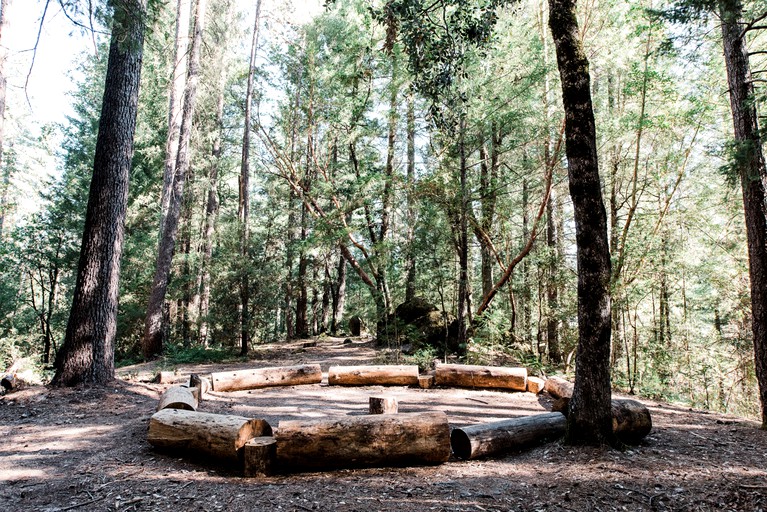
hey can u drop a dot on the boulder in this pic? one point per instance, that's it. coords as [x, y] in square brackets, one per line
[418, 324]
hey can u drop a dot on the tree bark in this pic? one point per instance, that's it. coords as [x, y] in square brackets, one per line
[589, 421]
[751, 169]
[410, 264]
[87, 354]
[243, 209]
[153, 331]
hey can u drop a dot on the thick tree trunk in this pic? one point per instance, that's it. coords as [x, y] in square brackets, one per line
[339, 296]
[402, 375]
[505, 436]
[358, 441]
[153, 331]
[751, 168]
[471, 376]
[87, 354]
[589, 421]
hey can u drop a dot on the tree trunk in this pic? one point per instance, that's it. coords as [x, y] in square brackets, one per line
[87, 354]
[339, 295]
[410, 264]
[243, 209]
[5, 21]
[589, 421]
[175, 103]
[153, 331]
[751, 168]
[463, 241]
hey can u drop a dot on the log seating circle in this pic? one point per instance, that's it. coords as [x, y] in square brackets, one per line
[373, 440]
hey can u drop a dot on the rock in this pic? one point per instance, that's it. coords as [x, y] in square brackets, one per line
[348, 341]
[414, 309]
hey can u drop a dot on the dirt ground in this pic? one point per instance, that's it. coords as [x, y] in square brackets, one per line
[85, 449]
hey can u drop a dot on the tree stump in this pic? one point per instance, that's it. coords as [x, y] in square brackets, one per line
[535, 385]
[426, 381]
[383, 405]
[258, 456]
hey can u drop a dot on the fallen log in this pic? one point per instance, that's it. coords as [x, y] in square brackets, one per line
[179, 397]
[505, 436]
[396, 375]
[258, 456]
[167, 377]
[382, 405]
[267, 377]
[631, 419]
[199, 433]
[471, 376]
[360, 441]
[558, 387]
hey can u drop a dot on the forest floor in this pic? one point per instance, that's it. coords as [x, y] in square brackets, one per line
[86, 449]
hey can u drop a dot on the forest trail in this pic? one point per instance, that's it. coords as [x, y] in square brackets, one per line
[86, 449]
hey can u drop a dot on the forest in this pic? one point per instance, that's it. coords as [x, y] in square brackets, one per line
[532, 174]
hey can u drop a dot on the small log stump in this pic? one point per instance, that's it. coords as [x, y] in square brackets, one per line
[535, 385]
[426, 381]
[383, 405]
[258, 456]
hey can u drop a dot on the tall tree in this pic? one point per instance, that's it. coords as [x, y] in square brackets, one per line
[590, 418]
[87, 354]
[5, 20]
[153, 326]
[750, 166]
[243, 209]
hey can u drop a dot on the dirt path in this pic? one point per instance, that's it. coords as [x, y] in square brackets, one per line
[85, 449]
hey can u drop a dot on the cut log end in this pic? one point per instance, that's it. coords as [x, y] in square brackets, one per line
[383, 405]
[258, 457]
[426, 381]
